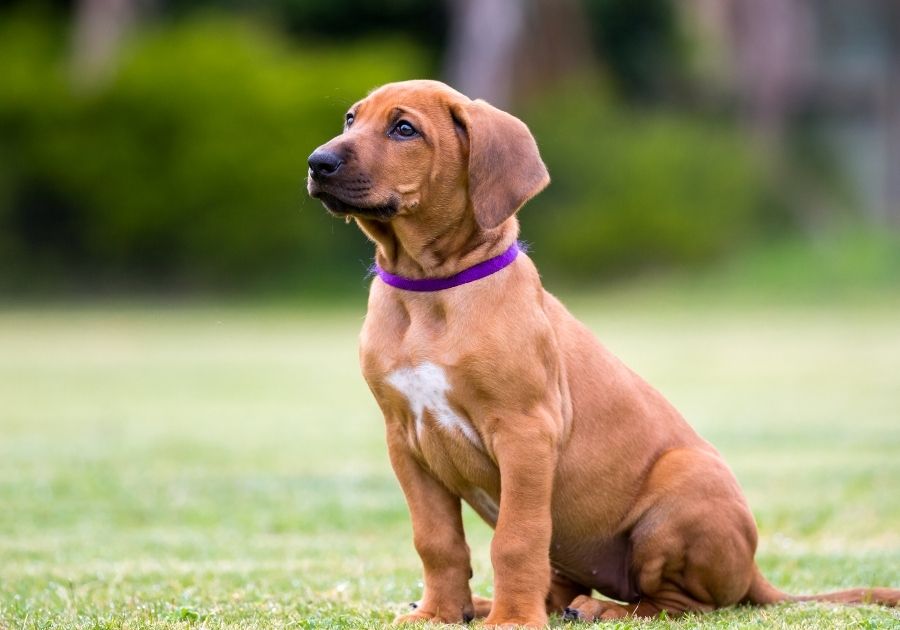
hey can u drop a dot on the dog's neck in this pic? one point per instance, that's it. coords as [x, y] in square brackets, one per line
[405, 247]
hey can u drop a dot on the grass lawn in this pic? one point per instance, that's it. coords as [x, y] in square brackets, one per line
[212, 467]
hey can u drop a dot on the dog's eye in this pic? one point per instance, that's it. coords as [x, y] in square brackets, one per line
[404, 130]
[349, 119]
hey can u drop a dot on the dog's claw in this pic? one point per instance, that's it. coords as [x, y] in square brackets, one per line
[571, 614]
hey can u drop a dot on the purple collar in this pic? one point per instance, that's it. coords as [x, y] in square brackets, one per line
[473, 273]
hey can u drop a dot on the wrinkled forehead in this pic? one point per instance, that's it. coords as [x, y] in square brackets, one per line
[425, 97]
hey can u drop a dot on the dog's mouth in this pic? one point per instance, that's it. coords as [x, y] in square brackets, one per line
[340, 208]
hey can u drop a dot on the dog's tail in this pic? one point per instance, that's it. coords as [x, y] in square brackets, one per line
[762, 593]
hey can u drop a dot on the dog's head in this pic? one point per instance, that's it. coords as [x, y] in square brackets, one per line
[420, 149]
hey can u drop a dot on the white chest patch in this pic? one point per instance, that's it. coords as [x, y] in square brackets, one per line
[425, 387]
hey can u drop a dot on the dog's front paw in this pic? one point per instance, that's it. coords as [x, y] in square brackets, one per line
[498, 622]
[416, 616]
[420, 615]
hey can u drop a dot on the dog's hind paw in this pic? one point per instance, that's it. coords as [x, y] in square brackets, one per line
[586, 608]
[570, 614]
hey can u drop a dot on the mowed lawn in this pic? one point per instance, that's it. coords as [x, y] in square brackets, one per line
[212, 467]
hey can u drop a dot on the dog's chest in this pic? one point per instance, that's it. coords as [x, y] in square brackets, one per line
[443, 436]
[426, 387]
[414, 360]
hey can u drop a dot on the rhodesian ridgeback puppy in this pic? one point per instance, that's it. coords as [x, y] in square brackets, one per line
[494, 394]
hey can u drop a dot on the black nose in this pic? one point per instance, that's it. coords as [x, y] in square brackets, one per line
[324, 163]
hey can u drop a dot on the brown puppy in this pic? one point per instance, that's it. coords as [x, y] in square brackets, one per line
[493, 384]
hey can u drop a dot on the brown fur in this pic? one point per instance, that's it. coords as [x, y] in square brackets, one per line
[604, 485]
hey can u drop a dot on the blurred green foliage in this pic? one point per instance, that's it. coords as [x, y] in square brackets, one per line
[421, 21]
[640, 45]
[634, 188]
[187, 168]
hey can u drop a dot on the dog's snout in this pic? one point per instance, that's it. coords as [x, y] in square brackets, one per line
[324, 163]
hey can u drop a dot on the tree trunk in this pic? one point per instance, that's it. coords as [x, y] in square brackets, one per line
[892, 114]
[501, 50]
[99, 28]
[773, 50]
[484, 37]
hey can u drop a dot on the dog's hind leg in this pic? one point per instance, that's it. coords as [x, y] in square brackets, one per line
[674, 604]
[587, 608]
[692, 541]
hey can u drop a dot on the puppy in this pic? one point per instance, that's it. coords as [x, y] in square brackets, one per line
[492, 393]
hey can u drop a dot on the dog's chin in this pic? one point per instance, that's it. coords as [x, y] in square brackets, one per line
[340, 208]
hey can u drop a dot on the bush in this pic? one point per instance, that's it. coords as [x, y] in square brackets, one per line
[188, 166]
[635, 189]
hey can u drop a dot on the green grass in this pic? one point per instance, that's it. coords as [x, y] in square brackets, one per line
[211, 467]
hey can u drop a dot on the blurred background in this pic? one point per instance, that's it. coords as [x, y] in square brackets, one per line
[159, 146]
[185, 438]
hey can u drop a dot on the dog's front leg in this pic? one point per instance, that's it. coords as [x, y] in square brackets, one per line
[525, 449]
[438, 537]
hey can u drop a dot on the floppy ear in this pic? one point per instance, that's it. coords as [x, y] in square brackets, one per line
[505, 168]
